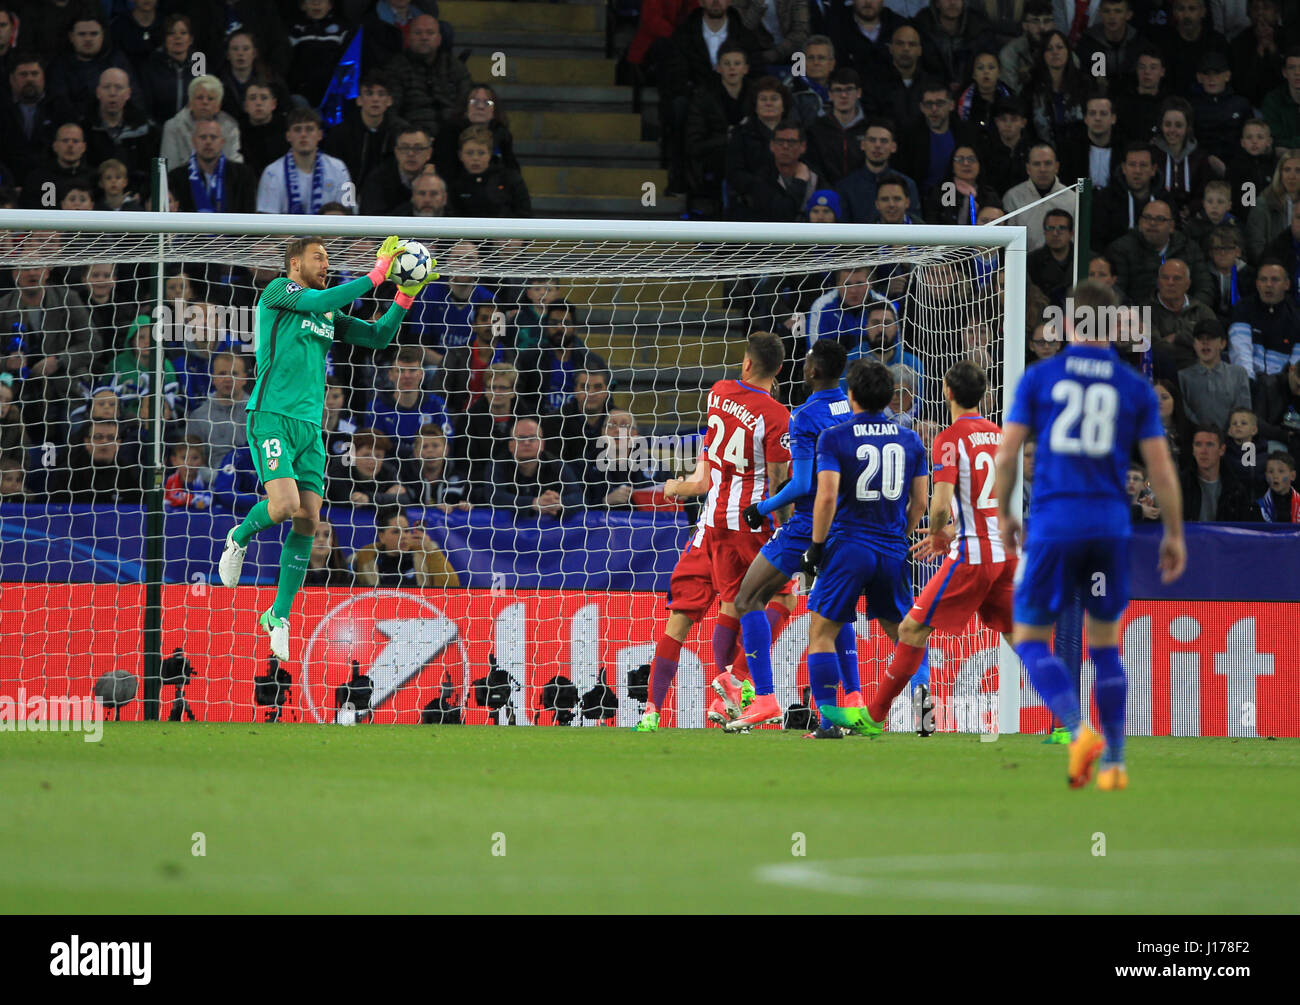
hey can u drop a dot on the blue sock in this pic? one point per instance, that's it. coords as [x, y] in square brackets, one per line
[922, 675]
[756, 637]
[1052, 681]
[846, 649]
[1111, 691]
[824, 678]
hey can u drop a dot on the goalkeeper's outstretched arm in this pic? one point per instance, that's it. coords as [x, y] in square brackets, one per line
[371, 334]
[297, 298]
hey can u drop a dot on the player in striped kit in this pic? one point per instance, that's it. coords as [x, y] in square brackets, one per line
[978, 571]
[748, 449]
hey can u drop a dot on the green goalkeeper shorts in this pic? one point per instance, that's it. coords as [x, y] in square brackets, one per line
[287, 448]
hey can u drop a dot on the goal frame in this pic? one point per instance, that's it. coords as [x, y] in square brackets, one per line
[1012, 240]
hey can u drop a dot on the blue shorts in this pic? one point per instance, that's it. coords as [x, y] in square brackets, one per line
[851, 570]
[1051, 571]
[786, 548]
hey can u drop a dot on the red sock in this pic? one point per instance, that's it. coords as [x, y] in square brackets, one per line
[906, 661]
[777, 615]
[663, 669]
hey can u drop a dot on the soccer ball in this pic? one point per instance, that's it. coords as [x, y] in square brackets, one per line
[411, 266]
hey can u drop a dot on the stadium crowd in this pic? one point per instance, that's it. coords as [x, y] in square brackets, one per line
[903, 112]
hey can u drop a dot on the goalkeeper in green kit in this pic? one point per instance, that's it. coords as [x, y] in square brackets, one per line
[297, 322]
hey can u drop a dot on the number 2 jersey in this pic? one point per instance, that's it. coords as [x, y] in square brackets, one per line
[964, 456]
[748, 429]
[1085, 410]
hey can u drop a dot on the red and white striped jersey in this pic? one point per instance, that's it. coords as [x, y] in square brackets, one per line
[747, 430]
[964, 456]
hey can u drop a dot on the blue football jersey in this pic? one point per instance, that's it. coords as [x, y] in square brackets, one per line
[822, 410]
[877, 460]
[1085, 410]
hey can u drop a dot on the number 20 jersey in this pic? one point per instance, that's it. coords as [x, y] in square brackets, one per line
[1086, 410]
[748, 429]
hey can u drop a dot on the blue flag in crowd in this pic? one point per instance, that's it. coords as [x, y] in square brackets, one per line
[344, 83]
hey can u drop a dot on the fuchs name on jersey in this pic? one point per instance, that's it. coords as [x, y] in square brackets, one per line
[1083, 366]
[729, 406]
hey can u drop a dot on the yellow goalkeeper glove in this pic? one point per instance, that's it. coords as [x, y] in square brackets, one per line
[413, 289]
[384, 257]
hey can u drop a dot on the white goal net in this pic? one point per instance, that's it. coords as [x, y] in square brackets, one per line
[495, 541]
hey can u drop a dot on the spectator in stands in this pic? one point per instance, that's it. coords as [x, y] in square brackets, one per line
[51, 346]
[975, 103]
[75, 75]
[714, 110]
[1255, 54]
[547, 374]
[1264, 335]
[31, 113]
[1092, 152]
[1118, 207]
[215, 22]
[811, 92]
[385, 27]
[1056, 91]
[117, 129]
[138, 31]
[368, 133]
[575, 429]
[1042, 344]
[953, 33]
[483, 189]
[185, 486]
[236, 487]
[327, 565]
[840, 313]
[113, 182]
[1138, 254]
[1004, 148]
[899, 97]
[882, 339]
[825, 207]
[402, 555]
[1138, 104]
[749, 147]
[204, 105]
[1016, 59]
[1175, 318]
[316, 41]
[1210, 492]
[1211, 387]
[618, 465]
[461, 378]
[389, 184]
[263, 128]
[401, 407]
[892, 201]
[430, 84]
[1281, 107]
[1233, 278]
[12, 479]
[166, 74]
[337, 422]
[1181, 166]
[367, 478]
[441, 317]
[1272, 216]
[1218, 112]
[1250, 169]
[1277, 403]
[531, 482]
[434, 477]
[1177, 429]
[109, 315]
[782, 191]
[100, 469]
[1190, 38]
[304, 179]
[962, 193]
[781, 28]
[482, 108]
[1215, 210]
[101, 404]
[485, 428]
[78, 195]
[659, 19]
[12, 433]
[1102, 270]
[209, 181]
[221, 420]
[931, 138]
[1280, 504]
[1042, 181]
[1050, 268]
[857, 190]
[243, 66]
[1246, 450]
[835, 139]
[428, 196]
[45, 185]
[1114, 37]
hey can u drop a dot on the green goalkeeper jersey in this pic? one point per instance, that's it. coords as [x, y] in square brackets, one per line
[295, 329]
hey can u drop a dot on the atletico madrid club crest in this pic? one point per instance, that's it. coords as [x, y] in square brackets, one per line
[273, 463]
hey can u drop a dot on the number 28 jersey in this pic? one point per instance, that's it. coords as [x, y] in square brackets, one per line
[748, 429]
[1085, 410]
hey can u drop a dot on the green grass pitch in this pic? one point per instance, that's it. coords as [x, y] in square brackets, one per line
[299, 818]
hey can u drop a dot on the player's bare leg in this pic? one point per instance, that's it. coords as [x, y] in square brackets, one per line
[1051, 680]
[664, 667]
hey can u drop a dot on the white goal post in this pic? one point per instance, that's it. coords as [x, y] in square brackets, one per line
[665, 303]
